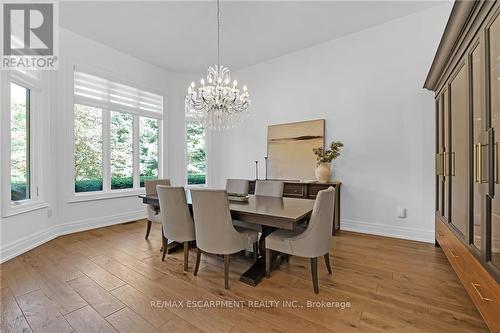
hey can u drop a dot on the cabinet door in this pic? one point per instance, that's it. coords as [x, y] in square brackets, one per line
[458, 156]
[494, 100]
[479, 144]
[446, 152]
[439, 157]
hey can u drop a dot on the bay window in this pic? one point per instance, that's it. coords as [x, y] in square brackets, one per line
[116, 135]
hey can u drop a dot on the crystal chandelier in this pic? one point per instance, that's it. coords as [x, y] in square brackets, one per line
[217, 103]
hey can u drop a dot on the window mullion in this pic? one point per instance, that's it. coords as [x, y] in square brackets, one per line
[106, 151]
[135, 152]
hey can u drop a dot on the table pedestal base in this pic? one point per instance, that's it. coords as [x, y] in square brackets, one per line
[257, 271]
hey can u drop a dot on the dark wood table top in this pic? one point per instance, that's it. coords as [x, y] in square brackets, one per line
[283, 213]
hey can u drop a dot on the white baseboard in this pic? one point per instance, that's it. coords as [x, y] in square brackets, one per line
[20, 246]
[420, 235]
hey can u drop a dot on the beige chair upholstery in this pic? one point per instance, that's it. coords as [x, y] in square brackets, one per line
[239, 186]
[176, 220]
[312, 242]
[214, 229]
[270, 188]
[153, 212]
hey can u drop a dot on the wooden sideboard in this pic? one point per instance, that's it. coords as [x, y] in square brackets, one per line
[465, 76]
[309, 190]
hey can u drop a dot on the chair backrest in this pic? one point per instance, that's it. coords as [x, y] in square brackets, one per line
[270, 188]
[239, 186]
[175, 216]
[150, 185]
[315, 241]
[213, 224]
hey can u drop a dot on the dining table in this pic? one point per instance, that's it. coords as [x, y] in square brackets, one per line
[271, 213]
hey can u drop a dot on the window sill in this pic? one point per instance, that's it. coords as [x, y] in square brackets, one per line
[195, 186]
[16, 209]
[115, 194]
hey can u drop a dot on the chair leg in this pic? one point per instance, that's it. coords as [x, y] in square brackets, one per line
[314, 273]
[226, 271]
[198, 257]
[255, 250]
[164, 243]
[186, 255]
[327, 262]
[269, 254]
[148, 229]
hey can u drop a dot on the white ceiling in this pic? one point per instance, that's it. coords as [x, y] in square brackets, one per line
[181, 35]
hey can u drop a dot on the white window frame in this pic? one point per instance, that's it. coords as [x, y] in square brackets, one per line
[106, 108]
[192, 119]
[33, 82]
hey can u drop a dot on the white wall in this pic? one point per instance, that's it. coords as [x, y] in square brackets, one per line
[21, 232]
[368, 87]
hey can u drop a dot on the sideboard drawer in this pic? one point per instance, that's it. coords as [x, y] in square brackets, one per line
[315, 188]
[294, 190]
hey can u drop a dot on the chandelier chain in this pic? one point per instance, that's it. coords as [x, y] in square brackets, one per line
[218, 33]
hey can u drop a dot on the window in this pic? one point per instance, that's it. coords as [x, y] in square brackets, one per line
[195, 153]
[117, 135]
[122, 168]
[88, 148]
[23, 104]
[20, 185]
[148, 149]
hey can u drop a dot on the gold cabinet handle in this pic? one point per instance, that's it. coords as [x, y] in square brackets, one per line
[495, 158]
[475, 286]
[445, 165]
[454, 254]
[440, 233]
[478, 150]
[437, 165]
[477, 163]
[452, 158]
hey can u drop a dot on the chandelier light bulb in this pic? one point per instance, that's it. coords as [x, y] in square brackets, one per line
[202, 82]
[192, 84]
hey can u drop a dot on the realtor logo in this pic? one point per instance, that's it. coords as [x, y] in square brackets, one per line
[29, 36]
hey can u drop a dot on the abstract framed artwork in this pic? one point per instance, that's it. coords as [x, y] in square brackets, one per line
[290, 149]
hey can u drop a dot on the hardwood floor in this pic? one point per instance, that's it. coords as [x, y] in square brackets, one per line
[104, 280]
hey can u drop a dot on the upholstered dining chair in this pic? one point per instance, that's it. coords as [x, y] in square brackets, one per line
[239, 186]
[153, 212]
[312, 242]
[270, 188]
[176, 221]
[214, 228]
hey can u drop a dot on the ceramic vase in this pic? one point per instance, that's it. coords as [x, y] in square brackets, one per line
[323, 172]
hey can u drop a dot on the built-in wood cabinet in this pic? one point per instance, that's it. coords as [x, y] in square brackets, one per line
[465, 75]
